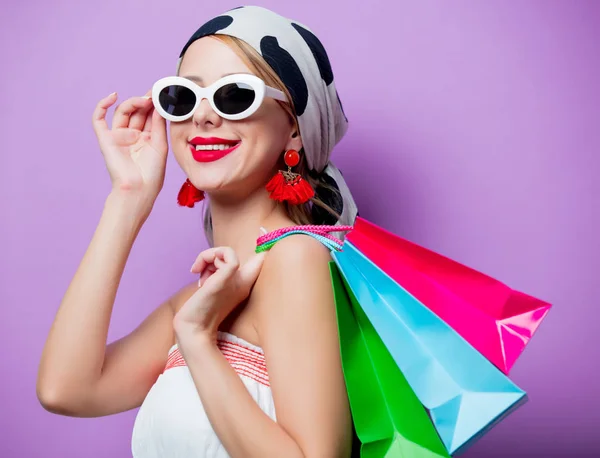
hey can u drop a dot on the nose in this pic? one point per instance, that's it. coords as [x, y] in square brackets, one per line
[205, 115]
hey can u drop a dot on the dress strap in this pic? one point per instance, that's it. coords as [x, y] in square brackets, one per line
[318, 232]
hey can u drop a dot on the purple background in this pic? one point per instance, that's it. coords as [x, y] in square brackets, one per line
[474, 131]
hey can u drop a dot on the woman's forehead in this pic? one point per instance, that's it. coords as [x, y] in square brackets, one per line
[209, 59]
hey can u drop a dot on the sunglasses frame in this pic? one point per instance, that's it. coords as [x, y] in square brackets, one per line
[260, 90]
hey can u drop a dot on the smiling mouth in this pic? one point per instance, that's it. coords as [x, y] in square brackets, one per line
[212, 152]
[216, 147]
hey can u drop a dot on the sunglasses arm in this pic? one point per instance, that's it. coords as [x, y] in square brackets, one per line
[275, 94]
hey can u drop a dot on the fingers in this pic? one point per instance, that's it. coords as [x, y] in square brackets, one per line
[99, 116]
[127, 110]
[229, 257]
[221, 265]
[202, 261]
[249, 272]
[126, 136]
[218, 256]
[148, 121]
[220, 262]
[159, 131]
[206, 274]
[139, 119]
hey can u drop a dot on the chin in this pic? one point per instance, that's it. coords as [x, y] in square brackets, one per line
[208, 180]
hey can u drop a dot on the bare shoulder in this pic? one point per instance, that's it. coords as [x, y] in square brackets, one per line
[294, 260]
[295, 266]
[297, 252]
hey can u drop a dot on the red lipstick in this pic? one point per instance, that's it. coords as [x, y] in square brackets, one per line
[209, 155]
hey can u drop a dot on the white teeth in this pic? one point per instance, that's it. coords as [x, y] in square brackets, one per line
[212, 147]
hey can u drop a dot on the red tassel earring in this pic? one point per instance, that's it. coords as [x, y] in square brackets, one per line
[189, 195]
[290, 186]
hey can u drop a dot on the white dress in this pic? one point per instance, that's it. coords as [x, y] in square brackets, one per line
[172, 423]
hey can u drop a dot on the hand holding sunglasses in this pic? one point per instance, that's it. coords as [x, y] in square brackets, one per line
[134, 148]
[233, 97]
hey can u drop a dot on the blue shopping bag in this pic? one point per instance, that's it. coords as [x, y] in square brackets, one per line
[463, 392]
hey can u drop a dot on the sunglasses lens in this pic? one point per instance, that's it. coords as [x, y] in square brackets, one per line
[177, 100]
[234, 98]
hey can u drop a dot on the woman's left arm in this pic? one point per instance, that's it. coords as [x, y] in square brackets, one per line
[297, 326]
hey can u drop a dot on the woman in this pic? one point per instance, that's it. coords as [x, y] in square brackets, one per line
[245, 362]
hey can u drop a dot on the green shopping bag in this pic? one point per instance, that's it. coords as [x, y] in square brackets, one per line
[388, 418]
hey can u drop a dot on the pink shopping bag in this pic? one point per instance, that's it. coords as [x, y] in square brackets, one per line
[495, 319]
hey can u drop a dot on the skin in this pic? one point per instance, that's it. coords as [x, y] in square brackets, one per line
[256, 297]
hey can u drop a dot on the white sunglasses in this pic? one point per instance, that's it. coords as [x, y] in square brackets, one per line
[232, 97]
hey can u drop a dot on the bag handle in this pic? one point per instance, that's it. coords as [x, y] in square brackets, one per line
[320, 233]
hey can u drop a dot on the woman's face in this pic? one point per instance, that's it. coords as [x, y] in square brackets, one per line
[263, 137]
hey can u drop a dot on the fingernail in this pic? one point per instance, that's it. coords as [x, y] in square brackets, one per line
[147, 97]
[263, 230]
[111, 94]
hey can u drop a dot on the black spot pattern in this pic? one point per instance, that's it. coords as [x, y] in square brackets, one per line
[332, 198]
[318, 52]
[209, 28]
[287, 69]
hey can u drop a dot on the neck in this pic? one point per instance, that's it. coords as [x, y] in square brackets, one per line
[236, 222]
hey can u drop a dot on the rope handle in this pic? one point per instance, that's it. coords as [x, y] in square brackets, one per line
[318, 232]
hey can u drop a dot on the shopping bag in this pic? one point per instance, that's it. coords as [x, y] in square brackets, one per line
[493, 318]
[388, 418]
[463, 392]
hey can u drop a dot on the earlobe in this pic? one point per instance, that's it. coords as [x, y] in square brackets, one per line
[295, 142]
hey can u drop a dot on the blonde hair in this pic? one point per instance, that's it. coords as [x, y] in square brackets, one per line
[300, 214]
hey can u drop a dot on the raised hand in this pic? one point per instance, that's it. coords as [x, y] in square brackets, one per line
[135, 148]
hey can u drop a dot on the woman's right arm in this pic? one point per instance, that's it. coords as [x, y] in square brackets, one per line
[79, 375]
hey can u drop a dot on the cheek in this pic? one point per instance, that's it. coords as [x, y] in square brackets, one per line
[178, 141]
[176, 130]
[269, 130]
[266, 142]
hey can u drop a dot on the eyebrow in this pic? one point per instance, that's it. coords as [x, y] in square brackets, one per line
[199, 80]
